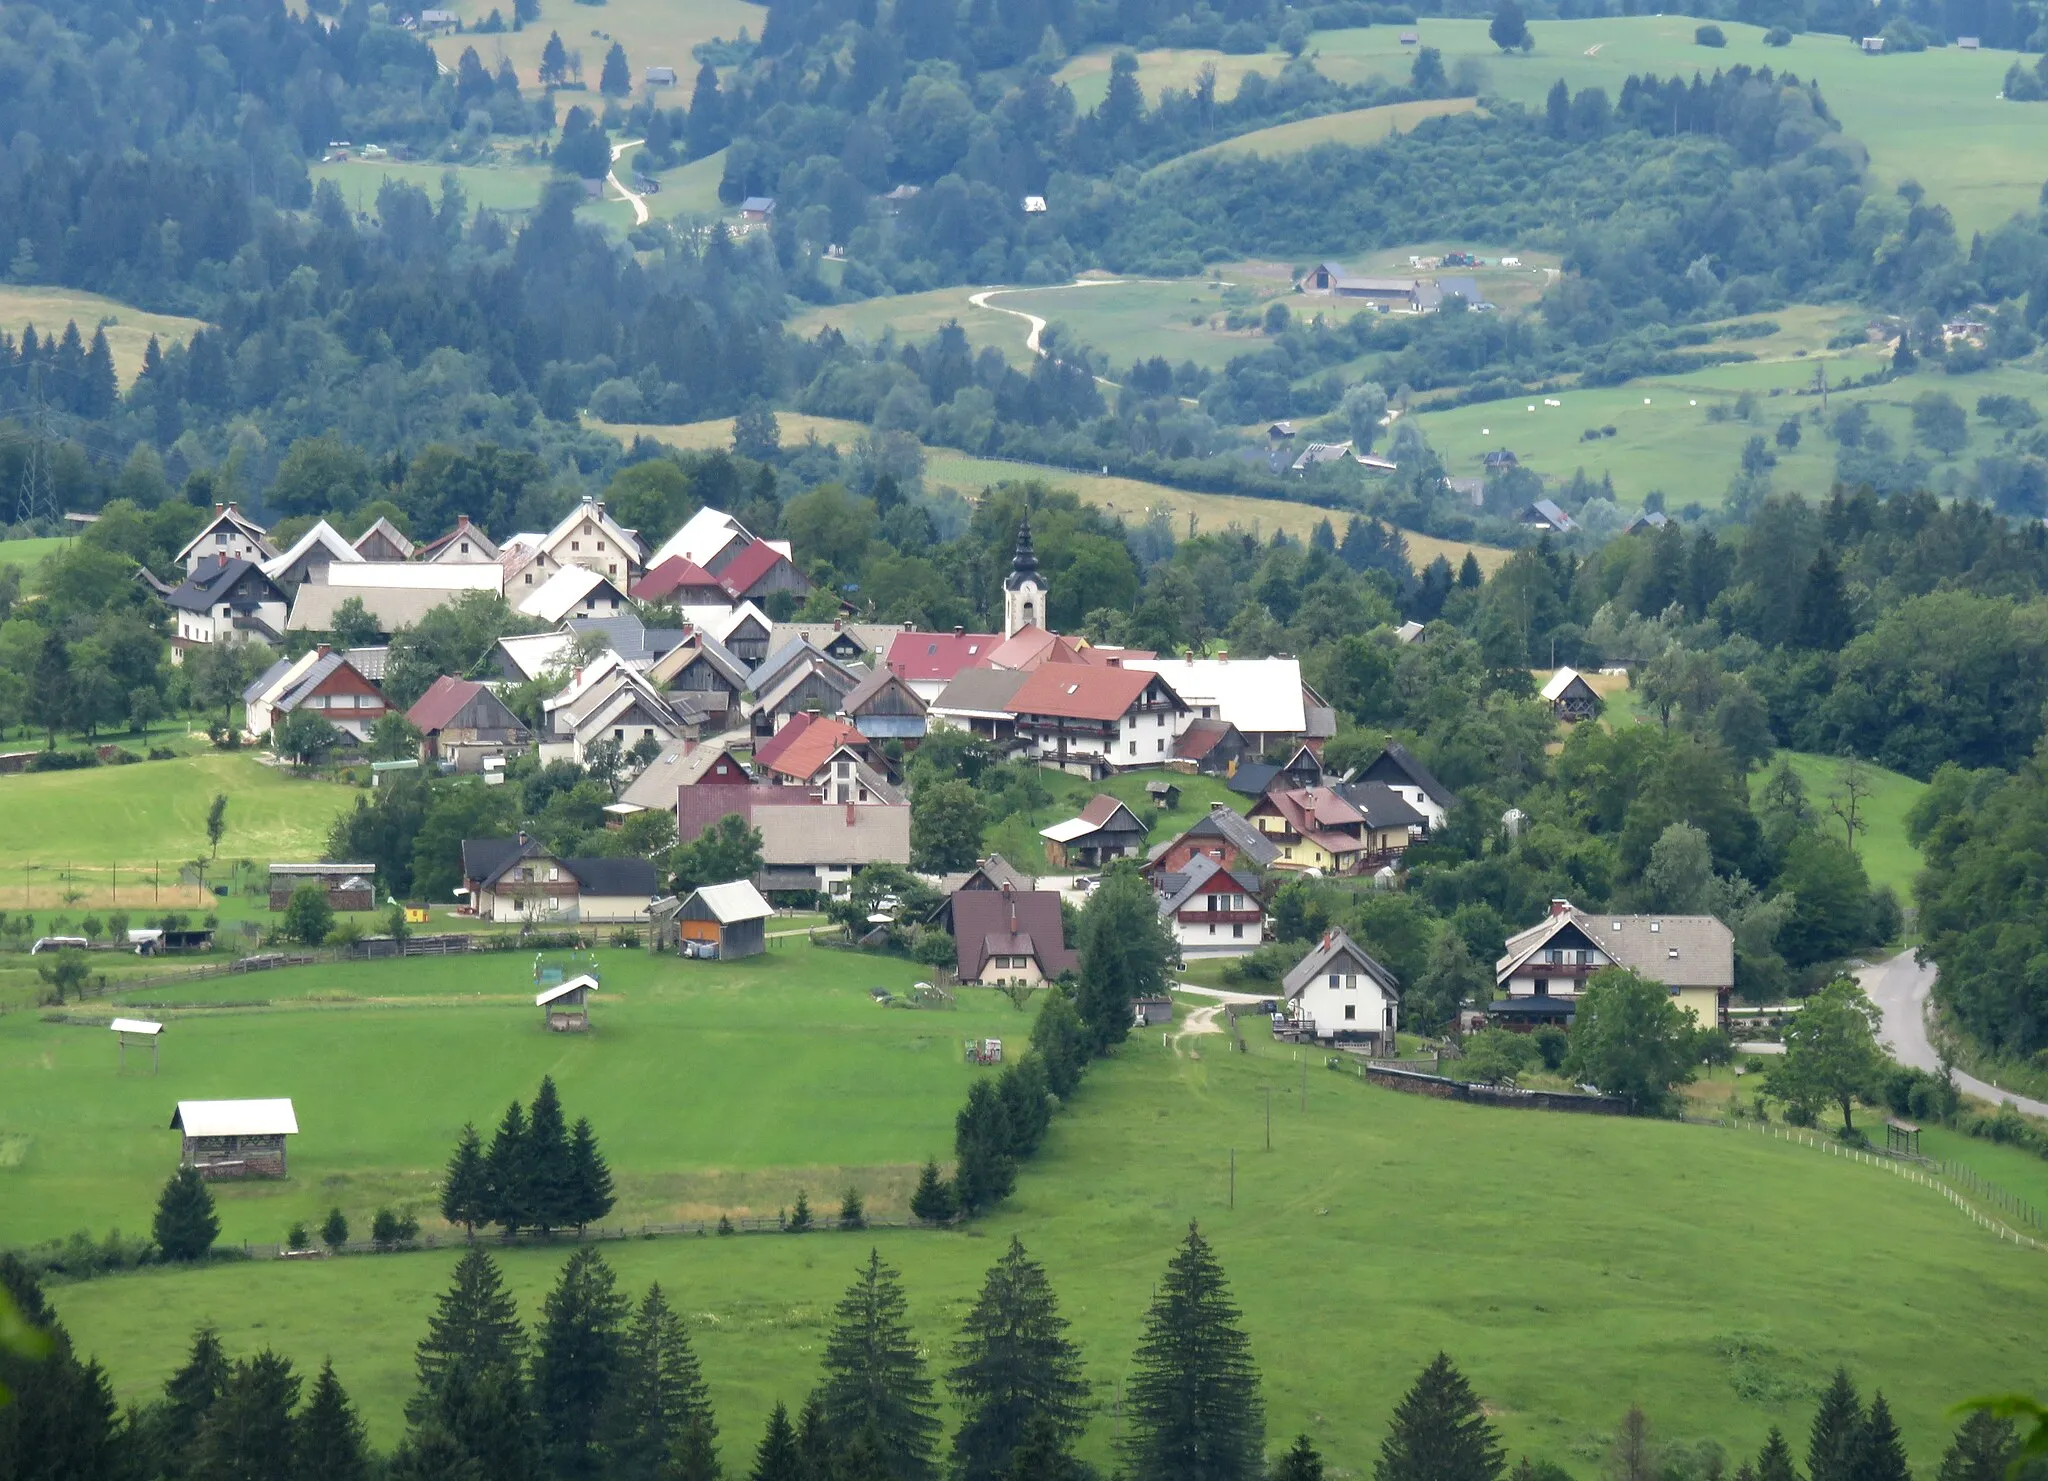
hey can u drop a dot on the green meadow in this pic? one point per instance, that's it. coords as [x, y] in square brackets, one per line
[128, 328]
[1888, 855]
[1571, 1264]
[1357, 128]
[1016, 838]
[28, 554]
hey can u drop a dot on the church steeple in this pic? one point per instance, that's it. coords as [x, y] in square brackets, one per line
[1023, 588]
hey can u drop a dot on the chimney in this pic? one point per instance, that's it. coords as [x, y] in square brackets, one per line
[837, 624]
[1560, 907]
[849, 814]
[959, 632]
[1223, 655]
[600, 506]
[1326, 941]
[324, 651]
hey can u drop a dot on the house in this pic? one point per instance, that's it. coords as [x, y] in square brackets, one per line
[1093, 720]
[1338, 993]
[225, 601]
[1544, 514]
[757, 209]
[1210, 748]
[1397, 769]
[807, 846]
[574, 591]
[310, 556]
[1103, 830]
[661, 77]
[1316, 828]
[321, 682]
[991, 873]
[1461, 287]
[1571, 696]
[978, 700]
[1545, 969]
[928, 662]
[585, 536]
[1264, 698]
[608, 700]
[1649, 519]
[461, 722]
[759, 571]
[1391, 824]
[683, 583]
[793, 755]
[229, 536]
[567, 1004]
[801, 681]
[465, 545]
[684, 764]
[1335, 279]
[395, 593]
[1500, 459]
[1409, 632]
[348, 886]
[1009, 936]
[384, 541]
[1034, 205]
[626, 634]
[708, 538]
[725, 921]
[1223, 838]
[706, 672]
[857, 646]
[885, 707]
[744, 630]
[522, 657]
[234, 1138]
[1211, 910]
[1318, 453]
[1256, 778]
[518, 880]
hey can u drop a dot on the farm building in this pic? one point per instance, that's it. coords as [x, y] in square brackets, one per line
[384, 541]
[308, 559]
[1210, 747]
[1545, 969]
[1545, 514]
[757, 209]
[1265, 698]
[759, 571]
[1223, 838]
[1256, 778]
[1103, 830]
[1340, 282]
[885, 707]
[1571, 696]
[723, 920]
[461, 722]
[1163, 795]
[682, 583]
[1009, 936]
[348, 886]
[661, 77]
[235, 1138]
[322, 682]
[567, 1004]
[462, 546]
[1339, 993]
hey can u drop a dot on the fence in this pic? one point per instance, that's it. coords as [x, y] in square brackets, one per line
[1989, 1192]
[1414, 1082]
[825, 1223]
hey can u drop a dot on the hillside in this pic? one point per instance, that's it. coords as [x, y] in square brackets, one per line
[128, 328]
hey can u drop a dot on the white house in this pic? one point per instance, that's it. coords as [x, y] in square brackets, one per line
[586, 536]
[1546, 967]
[1338, 992]
[1092, 719]
[229, 601]
[1263, 697]
[607, 699]
[702, 540]
[576, 591]
[518, 879]
[229, 535]
[1212, 911]
[310, 556]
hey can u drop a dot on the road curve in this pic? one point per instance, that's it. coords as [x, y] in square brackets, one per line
[639, 202]
[1900, 988]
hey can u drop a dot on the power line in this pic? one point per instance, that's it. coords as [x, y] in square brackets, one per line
[38, 499]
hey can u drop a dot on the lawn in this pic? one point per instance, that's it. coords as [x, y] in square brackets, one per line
[1889, 857]
[1359, 127]
[27, 555]
[498, 187]
[916, 317]
[717, 433]
[1571, 1264]
[128, 328]
[1016, 838]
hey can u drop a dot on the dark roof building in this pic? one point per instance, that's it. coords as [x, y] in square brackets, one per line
[1010, 935]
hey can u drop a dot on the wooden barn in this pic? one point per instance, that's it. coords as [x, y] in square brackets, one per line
[235, 1138]
[567, 1004]
[725, 921]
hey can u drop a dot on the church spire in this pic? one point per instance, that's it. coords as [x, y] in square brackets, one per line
[1024, 564]
[1023, 588]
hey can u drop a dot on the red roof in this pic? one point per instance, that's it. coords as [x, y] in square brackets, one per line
[697, 808]
[1100, 809]
[442, 702]
[805, 752]
[768, 751]
[1031, 646]
[748, 567]
[1080, 691]
[939, 657]
[671, 575]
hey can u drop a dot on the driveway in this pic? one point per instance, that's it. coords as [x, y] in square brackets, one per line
[1900, 988]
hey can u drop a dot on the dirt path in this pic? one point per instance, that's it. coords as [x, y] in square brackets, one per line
[639, 202]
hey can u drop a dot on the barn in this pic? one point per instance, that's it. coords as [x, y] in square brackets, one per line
[723, 921]
[235, 1138]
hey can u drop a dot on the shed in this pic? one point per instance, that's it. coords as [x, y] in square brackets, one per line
[1872, 44]
[1151, 1012]
[1410, 38]
[1571, 696]
[348, 886]
[661, 77]
[566, 1004]
[1034, 205]
[141, 1029]
[1165, 795]
[757, 208]
[731, 920]
[235, 1138]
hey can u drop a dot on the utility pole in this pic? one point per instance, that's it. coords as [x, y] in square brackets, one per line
[1269, 1117]
[38, 497]
[1233, 1177]
[1304, 1080]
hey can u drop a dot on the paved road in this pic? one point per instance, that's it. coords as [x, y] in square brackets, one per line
[1900, 988]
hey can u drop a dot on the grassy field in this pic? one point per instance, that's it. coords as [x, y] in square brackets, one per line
[1571, 1264]
[716, 433]
[1889, 857]
[128, 328]
[1017, 840]
[28, 554]
[1359, 127]
[496, 187]
[918, 316]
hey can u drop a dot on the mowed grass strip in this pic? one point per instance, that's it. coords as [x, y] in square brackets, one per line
[1016, 838]
[1572, 1265]
[1358, 127]
[128, 328]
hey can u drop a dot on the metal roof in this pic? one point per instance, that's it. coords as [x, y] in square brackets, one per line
[135, 1026]
[561, 990]
[733, 902]
[235, 1118]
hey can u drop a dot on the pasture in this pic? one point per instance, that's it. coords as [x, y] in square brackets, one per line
[128, 328]
[1889, 856]
[1571, 1264]
[26, 555]
[499, 186]
[1357, 128]
[1016, 838]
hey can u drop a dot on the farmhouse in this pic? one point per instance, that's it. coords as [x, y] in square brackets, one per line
[518, 879]
[1256, 778]
[1105, 829]
[1315, 828]
[707, 538]
[461, 722]
[1571, 696]
[1210, 748]
[465, 545]
[725, 921]
[1009, 936]
[928, 662]
[384, 541]
[235, 1138]
[348, 886]
[1223, 838]
[801, 748]
[805, 681]
[1264, 698]
[606, 701]
[225, 601]
[682, 582]
[1092, 721]
[885, 707]
[1397, 769]
[1544, 514]
[661, 77]
[1211, 910]
[992, 873]
[229, 536]
[322, 682]
[585, 536]
[757, 209]
[310, 556]
[704, 671]
[1545, 969]
[1339, 993]
[807, 845]
[573, 590]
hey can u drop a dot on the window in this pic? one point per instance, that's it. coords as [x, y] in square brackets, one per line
[554, 904]
[1542, 987]
[1134, 748]
[1212, 928]
[1336, 981]
[1160, 718]
[1237, 933]
[575, 544]
[1162, 747]
[465, 547]
[600, 547]
[1350, 1012]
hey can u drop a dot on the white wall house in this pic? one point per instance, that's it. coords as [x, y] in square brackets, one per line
[1340, 992]
[1212, 911]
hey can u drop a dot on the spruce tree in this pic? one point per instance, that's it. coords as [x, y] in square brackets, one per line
[1060, 1039]
[1194, 1403]
[576, 1366]
[185, 1226]
[853, 1213]
[616, 80]
[814, 1441]
[327, 1440]
[1440, 1433]
[984, 1169]
[589, 1177]
[551, 1173]
[875, 1376]
[1014, 1366]
[933, 1199]
[777, 1458]
[1304, 1462]
[466, 1189]
[434, 1454]
[1880, 1454]
[1982, 1450]
[510, 1199]
[800, 1215]
[1831, 1447]
[1774, 1461]
[1632, 1456]
[59, 1419]
[475, 1327]
[189, 1394]
[485, 1416]
[248, 1431]
[1044, 1456]
[1027, 1104]
[659, 1398]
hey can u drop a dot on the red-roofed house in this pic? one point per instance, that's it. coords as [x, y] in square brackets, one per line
[759, 570]
[682, 582]
[1318, 828]
[1029, 647]
[461, 721]
[1009, 936]
[928, 662]
[798, 751]
[1091, 720]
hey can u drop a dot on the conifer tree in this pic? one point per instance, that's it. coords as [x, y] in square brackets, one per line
[327, 1442]
[189, 1394]
[554, 61]
[1439, 1432]
[485, 1417]
[984, 1169]
[875, 1376]
[1982, 1450]
[1880, 1454]
[58, 1420]
[248, 1431]
[152, 360]
[475, 1327]
[466, 1189]
[1194, 1403]
[589, 1176]
[1027, 1104]
[185, 1226]
[1774, 1461]
[576, 1366]
[659, 1407]
[550, 1170]
[1304, 1463]
[102, 387]
[1014, 1366]
[1837, 1422]
[706, 132]
[932, 1201]
[433, 1454]
[1633, 1454]
[777, 1457]
[814, 1441]
[800, 1215]
[1060, 1039]
[853, 1213]
[1044, 1456]
[616, 80]
[510, 1201]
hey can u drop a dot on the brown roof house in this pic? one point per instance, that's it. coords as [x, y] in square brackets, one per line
[1544, 972]
[1103, 830]
[461, 723]
[1092, 720]
[1009, 936]
[518, 879]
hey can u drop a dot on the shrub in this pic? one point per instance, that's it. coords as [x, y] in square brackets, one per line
[345, 935]
[388, 1230]
[334, 1229]
[1777, 36]
[724, 1224]
[296, 1237]
[1709, 36]
[626, 937]
[1553, 1044]
[62, 761]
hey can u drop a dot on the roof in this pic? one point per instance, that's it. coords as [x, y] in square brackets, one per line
[614, 876]
[702, 536]
[749, 566]
[1561, 684]
[228, 514]
[793, 676]
[323, 869]
[1381, 806]
[235, 1118]
[1080, 691]
[324, 536]
[697, 644]
[872, 638]
[872, 686]
[1676, 950]
[390, 607]
[1200, 738]
[367, 576]
[564, 591]
[584, 983]
[758, 203]
[1069, 829]
[990, 923]
[533, 654]
[1195, 878]
[939, 656]
[628, 635]
[1030, 646]
[1551, 515]
[207, 585]
[1103, 808]
[136, 1025]
[369, 662]
[1254, 694]
[442, 702]
[593, 509]
[995, 869]
[801, 753]
[731, 903]
[1227, 825]
[679, 765]
[980, 691]
[1396, 764]
[486, 547]
[832, 834]
[1322, 452]
[1253, 777]
[1332, 948]
[672, 574]
[405, 548]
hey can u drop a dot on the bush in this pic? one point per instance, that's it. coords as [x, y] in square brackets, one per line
[724, 1225]
[62, 761]
[345, 935]
[296, 1237]
[1553, 1044]
[334, 1229]
[627, 938]
[389, 1230]
[1709, 36]
[1777, 36]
